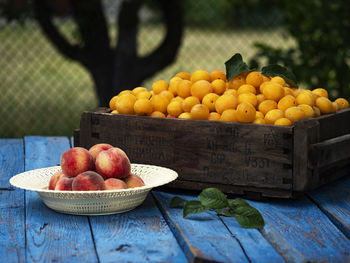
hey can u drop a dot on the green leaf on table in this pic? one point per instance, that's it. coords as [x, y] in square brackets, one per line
[237, 202]
[213, 198]
[234, 66]
[193, 207]
[248, 217]
[176, 201]
[225, 212]
[277, 70]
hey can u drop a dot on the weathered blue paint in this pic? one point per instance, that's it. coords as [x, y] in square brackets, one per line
[257, 248]
[51, 236]
[140, 235]
[203, 237]
[12, 246]
[334, 201]
[301, 232]
[11, 160]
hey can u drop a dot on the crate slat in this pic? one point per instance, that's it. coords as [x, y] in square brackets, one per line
[330, 151]
[334, 125]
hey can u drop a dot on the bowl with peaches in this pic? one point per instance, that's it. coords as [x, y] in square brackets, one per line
[96, 181]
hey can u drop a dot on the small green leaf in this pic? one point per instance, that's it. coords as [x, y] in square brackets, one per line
[234, 66]
[213, 198]
[225, 212]
[193, 207]
[237, 202]
[176, 201]
[249, 217]
[277, 70]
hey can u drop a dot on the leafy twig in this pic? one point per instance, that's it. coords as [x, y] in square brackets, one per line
[214, 200]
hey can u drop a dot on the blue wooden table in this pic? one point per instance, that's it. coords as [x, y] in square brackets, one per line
[314, 228]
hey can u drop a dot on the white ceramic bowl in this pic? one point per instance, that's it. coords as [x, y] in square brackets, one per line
[93, 202]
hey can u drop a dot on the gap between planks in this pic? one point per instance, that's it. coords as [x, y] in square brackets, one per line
[238, 241]
[331, 218]
[93, 239]
[192, 257]
[170, 227]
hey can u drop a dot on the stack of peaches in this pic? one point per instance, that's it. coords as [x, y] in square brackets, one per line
[102, 167]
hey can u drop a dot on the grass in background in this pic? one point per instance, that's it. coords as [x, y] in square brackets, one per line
[44, 93]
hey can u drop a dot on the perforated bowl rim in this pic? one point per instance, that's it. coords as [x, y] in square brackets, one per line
[167, 175]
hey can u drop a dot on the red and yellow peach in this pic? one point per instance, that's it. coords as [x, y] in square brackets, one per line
[133, 181]
[113, 163]
[64, 184]
[115, 184]
[54, 179]
[75, 161]
[88, 181]
[97, 148]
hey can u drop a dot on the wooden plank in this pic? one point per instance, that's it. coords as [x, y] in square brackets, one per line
[51, 236]
[334, 125]
[333, 172]
[244, 191]
[85, 135]
[334, 201]
[12, 237]
[12, 232]
[203, 237]
[11, 198]
[330, 151]
[305, 133]
[11, 160]
[300, 232]
[76, 138]
[257, 248]
[141, 235]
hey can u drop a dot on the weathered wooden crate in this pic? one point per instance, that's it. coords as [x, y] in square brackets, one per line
[255, 161]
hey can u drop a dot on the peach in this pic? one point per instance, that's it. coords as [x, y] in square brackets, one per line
[88, 181]
[115, 184]
[64, 184]
[133, 181]
[54, 179]
[97, 148]
[75, 161]
[113, 163]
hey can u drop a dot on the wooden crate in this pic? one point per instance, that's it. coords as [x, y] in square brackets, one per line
[255, 161]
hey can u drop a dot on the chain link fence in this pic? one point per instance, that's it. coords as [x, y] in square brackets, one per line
[44, 93]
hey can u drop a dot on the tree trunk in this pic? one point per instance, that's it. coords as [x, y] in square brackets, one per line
[102, 76]
[113, 70]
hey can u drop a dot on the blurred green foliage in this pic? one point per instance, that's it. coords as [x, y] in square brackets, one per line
[226, 14]
[321, 58]
[15, 10]
[233, 14]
